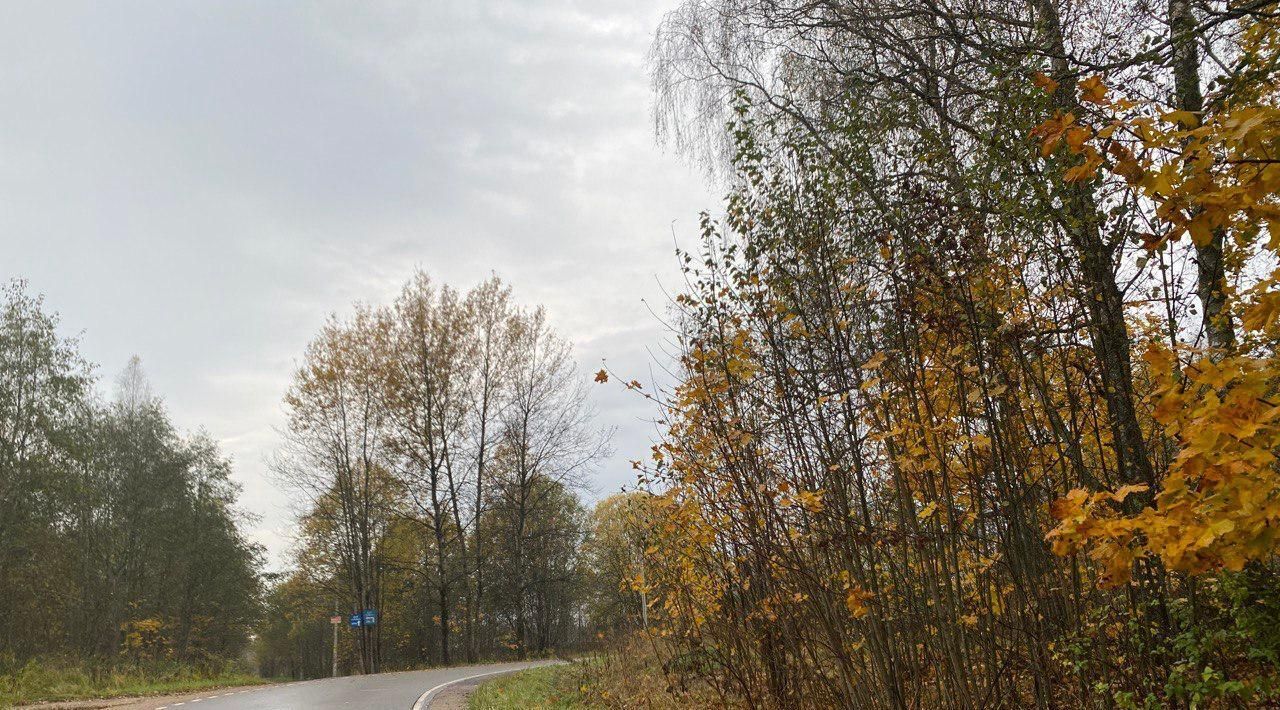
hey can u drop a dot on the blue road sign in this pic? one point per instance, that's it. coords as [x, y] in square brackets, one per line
[370, 617]
[356, 621]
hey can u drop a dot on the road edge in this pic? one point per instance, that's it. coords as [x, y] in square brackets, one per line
[424, 700]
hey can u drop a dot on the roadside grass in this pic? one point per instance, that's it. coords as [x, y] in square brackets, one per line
[38, 681]
[628, 672]
[555, 687]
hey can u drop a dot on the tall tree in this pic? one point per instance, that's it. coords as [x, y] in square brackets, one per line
[479, 433]
[43, 388]
[492, 318]
[334, 454]
[430, 408]
[547, 443]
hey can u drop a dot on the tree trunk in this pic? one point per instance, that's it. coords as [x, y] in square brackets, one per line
[1103, 301]
[443, 587]
[1211, 278]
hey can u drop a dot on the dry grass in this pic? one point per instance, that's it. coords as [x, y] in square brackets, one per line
[630, 673]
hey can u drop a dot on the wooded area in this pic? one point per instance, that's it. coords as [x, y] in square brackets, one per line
[978, 389]
[439, 445]
[120, 541]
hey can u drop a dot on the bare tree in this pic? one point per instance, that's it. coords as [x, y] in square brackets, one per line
[491, 318]
[547, 439]
[428, 399]
[333, 455]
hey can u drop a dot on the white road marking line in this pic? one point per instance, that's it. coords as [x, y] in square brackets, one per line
[422, 699]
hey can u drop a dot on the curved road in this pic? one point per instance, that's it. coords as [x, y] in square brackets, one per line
[394, 691]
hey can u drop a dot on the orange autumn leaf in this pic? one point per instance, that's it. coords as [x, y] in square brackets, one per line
[1092, 90]
[1043, 81]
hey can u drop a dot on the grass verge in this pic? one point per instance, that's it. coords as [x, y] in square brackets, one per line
[544, 688]
[44, 681]
[628, 673]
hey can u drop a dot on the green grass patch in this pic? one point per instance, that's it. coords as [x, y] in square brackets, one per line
[44, 680]
[555, 687]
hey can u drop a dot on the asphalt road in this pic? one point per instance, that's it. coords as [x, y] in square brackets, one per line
[394, 691]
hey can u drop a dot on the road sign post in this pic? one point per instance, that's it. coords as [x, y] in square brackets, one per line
[335, 621]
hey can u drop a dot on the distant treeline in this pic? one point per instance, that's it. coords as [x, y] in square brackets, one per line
[119, 536]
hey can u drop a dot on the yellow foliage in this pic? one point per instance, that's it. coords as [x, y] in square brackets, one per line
[1218, 505]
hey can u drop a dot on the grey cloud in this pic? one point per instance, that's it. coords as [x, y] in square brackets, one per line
[202, 182]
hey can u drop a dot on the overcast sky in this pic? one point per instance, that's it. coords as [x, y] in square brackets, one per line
[200, 184]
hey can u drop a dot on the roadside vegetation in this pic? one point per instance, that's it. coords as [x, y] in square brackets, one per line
[123, 566]
[544, 688]
[976, 404]
[628, 672]
[638, 671]
[48, 680]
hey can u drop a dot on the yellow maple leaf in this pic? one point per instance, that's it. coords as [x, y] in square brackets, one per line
[856, 601]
